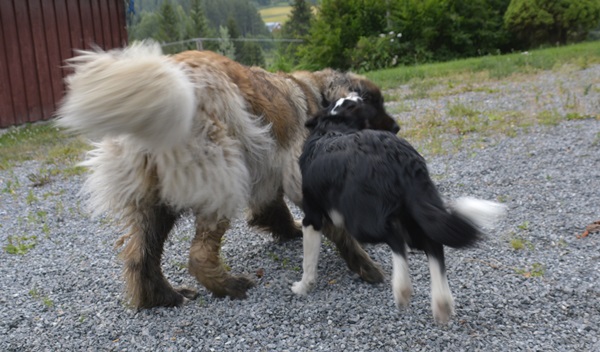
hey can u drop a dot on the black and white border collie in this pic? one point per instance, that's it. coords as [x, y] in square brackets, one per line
[377, 186]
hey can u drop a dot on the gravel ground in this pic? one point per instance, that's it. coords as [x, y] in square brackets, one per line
[66, 293]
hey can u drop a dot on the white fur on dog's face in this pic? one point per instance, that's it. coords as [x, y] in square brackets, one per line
[352, 96]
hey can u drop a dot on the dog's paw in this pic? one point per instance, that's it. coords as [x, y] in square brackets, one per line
[442, 309]
[371, 272]
[301, 288]
[402, 296]
[188, 293]
[236, 287]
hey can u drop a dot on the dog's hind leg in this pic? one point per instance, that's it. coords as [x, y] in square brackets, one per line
[275, 217]
[442, 303]
[355, 256]
[145, 283]
[206, 265]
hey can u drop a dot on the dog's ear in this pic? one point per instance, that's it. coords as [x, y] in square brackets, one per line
[362, 116]
[312, 122]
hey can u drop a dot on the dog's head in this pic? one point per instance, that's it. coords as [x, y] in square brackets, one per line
[351, 113]
[330, 85]
[371, 95]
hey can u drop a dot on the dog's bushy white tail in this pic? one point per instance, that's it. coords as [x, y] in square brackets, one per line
[135, 91]
[483, 213]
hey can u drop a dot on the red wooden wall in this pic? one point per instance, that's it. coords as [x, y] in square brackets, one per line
[36, 37]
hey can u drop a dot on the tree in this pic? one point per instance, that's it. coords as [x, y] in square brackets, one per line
[296, 27]
[245, 14]
[337, 28]
[537, 22]
[251, 54]
[147, 26]
[234, 35]
[226, 47]
[246, 52]
[199, 21]
[298, 23]
[168, 24]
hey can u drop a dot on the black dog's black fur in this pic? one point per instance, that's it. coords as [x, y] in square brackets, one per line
[378, 182]
[376, 186]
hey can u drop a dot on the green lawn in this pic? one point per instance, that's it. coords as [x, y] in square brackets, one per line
[278, 13]
[498, 66]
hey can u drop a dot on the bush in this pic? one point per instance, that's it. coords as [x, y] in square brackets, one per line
[374, 53]
[538, 22]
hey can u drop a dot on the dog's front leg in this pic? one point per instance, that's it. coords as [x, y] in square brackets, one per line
[311, 243]
[206, 265]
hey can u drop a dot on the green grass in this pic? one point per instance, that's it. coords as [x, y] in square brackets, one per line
[40, 141]
[34, 293]
[20, 244]
[46, 143]
[495, 67]
[517, 243]
[536, 270]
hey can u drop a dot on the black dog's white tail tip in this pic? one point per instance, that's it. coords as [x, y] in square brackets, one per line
[483, 213]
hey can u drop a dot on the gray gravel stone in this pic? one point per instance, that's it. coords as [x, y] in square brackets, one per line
[65, 294]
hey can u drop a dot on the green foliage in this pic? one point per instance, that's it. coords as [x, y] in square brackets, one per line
[199, 28]
[20, 244]
[146, 27]
[234, 34]
[251, 54]
[243, 12]
[344, 35]
[246, 52]
[337, 28]
[296, 27]
[298, 24]
[437, 30]
[168, 24]
[170, 21]
[226, 47]
[537, 22]
[375, 53]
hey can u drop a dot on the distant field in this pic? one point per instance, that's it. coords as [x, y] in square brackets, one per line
[275, 13]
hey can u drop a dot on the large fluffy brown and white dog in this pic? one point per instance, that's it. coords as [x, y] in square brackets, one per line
[199, 131]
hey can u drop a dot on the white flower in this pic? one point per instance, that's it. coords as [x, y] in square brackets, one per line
[392, 40]
[381, 35]
[399, 35]
[392, 33]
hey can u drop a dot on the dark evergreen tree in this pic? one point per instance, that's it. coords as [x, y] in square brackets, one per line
[234, 34]
[298, 23]
[168, 24]
[246, 16]
[200, 28]
[296, 27]
[200, 23]
[251, 54]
